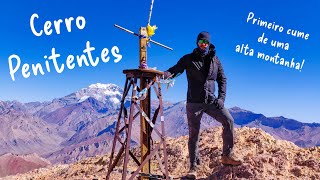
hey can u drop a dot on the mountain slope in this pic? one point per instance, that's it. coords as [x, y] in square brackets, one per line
[48, 127]
[264, 157]
[23, 133]
[11, 164]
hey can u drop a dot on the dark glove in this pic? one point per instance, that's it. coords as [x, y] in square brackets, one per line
[166, 75]
[219, 103]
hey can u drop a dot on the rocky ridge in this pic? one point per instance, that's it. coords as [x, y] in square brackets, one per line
[264, 157]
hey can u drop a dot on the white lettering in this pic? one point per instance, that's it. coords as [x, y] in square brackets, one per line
[68, 23]
[11, 69]
[104, 55]
[32, 25]
[83, 22]
[46, 28]
[57, 25]
[88, 51]
[115, 51]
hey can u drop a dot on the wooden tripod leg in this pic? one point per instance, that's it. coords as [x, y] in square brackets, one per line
[163, 133]
[127, 145]
[125, 92]
[116, 160]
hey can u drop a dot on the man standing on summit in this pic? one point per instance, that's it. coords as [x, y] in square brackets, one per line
[203, 69]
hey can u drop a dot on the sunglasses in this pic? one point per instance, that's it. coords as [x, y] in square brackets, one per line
[203, 41]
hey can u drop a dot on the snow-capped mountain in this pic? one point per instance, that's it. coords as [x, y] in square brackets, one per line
[110, 93]
[104, 93]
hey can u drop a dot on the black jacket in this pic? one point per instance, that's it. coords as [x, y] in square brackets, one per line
[201, 78]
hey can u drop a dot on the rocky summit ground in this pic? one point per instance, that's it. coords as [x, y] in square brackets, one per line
[264, 157]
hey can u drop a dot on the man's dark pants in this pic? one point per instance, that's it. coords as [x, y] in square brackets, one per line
[194, 114]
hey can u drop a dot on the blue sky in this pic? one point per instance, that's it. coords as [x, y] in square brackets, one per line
[253, 84]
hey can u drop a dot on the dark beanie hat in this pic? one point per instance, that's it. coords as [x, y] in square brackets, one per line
[203, 35]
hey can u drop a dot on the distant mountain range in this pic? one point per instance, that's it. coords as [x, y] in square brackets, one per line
[82, 124]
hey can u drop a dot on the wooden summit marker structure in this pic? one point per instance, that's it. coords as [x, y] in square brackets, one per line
[140, 106]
